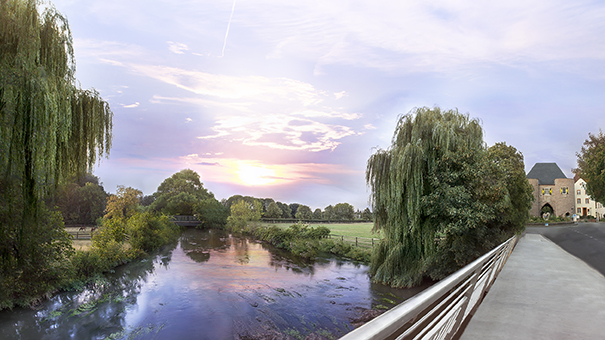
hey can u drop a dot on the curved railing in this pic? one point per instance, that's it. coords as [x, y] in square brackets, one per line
[444, 309]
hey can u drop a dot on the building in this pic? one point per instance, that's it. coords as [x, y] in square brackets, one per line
[552, 190]
[586, 206]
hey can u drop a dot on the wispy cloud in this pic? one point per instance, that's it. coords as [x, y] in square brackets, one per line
[130, 106]
[177, 48]
[278, 113]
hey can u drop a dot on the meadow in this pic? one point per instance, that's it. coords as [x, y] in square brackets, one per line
[348, 230]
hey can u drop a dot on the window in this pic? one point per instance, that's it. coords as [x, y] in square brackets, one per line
[564, 191]
[587, 201]
[547, 191]
[579, 201]
[579, 192]
[579, 210]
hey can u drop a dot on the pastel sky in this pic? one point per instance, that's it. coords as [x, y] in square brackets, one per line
[288, 99]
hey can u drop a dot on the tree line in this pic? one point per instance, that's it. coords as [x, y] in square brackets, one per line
[271, 209]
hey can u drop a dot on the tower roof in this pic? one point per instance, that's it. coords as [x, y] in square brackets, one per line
[546, 173]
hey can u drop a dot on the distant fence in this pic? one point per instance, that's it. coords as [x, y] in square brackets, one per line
[443, 310]
[364, 242]
[80, 231]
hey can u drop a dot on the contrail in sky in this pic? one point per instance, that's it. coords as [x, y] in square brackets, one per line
[228, 25]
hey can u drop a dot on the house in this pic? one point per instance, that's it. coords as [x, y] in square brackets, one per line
[585, 205]
[553, 191]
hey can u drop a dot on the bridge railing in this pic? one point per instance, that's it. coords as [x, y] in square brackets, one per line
[444, 309]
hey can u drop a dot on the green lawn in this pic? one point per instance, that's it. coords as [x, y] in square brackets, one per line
[346, 229]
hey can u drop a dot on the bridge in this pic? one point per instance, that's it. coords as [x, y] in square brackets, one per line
[552, 287]
[185, 220]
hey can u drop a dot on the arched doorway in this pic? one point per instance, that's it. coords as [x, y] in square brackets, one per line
[547, 211]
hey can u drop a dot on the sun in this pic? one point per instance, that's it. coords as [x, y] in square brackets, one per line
[256, 175]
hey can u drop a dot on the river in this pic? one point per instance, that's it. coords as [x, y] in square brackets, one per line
[211, 285]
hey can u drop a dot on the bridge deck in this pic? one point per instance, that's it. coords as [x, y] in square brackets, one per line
[543, 292]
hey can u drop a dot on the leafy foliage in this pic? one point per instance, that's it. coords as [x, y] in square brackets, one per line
[317, 214]
[81, 202]
[243, 212]
[304, 213]
[441, 198]
[178, 194]
[273, 211]
[50, 131]
[329, 213]
[366, 215]
[211, 213]
[344, 212]
[591, 166]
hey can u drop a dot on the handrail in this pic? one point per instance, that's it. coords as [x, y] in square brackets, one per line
[439, 311]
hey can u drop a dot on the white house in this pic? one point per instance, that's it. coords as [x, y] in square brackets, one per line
[586, 206]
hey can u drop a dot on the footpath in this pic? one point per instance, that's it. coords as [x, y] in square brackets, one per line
[542, 292]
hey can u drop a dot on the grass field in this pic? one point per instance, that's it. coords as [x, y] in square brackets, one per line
[81, 244]
[346, 229]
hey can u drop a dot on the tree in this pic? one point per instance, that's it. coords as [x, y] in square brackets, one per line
[366, 215]
[317, 214]
[81, 201]
[120, 208]
[286, 211]
[294, 209]
[211, 213]
[329, 213]
[273, 211]
[441, 198]
[178, 194]
[243, 212]
[304, 213]
[344, 212]
[591, 166]
[50, 131]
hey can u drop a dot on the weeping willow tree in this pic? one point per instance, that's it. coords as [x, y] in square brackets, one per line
[50, 131]
[440, 197]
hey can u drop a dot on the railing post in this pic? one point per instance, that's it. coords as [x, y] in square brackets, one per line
[356, 242]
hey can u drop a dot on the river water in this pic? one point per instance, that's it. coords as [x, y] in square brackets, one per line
[211, 285]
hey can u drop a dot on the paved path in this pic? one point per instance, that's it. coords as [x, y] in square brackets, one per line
[585, 241]
[543, 292]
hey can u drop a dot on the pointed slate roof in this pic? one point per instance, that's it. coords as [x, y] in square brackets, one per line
[546, 173]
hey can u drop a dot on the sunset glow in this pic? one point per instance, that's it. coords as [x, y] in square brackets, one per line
[256, 175]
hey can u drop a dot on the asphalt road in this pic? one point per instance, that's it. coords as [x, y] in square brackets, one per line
[585, 241]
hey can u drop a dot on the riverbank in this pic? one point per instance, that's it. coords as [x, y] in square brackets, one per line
[212, 285]
[306, 241]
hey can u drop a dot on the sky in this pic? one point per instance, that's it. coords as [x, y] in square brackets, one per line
[288, 99]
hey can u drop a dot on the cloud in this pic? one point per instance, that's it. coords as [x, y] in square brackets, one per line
[177, 48]
[279, 113]
[136, 104]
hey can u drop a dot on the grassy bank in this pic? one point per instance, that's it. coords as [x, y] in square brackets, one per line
[346, 229]
[306, 241]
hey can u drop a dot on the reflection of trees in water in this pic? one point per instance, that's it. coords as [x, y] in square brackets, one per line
[197, 243]
[281, 259]
[96, 312]
[240, 249]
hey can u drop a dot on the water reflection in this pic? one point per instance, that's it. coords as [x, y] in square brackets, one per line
[210, 286]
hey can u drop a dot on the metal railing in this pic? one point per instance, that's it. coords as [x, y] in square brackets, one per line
[444, 309]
